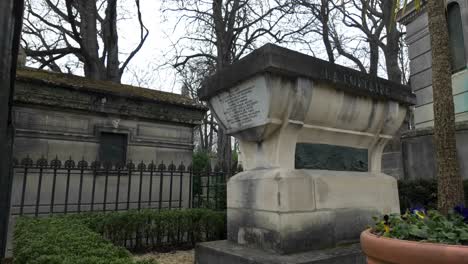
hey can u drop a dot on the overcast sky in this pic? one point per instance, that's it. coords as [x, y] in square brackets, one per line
[148, 63]
[149, 67]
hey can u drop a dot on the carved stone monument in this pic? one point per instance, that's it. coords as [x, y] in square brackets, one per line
[272, 100]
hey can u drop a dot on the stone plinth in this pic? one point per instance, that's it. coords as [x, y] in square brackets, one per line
[226, 252]
[275, 98]
[289, 211]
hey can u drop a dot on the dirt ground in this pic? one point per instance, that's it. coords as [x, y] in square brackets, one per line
[174, 257]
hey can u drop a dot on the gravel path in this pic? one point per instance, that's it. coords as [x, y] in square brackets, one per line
[174, 257]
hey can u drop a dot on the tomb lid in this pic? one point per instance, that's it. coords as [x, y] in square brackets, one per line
[291, 64]
[83, 84]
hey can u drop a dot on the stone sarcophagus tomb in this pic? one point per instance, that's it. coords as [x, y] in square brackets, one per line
[274, 99]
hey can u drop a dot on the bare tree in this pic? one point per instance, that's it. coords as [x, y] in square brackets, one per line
[316, 15]
[221, 32]
[358, 31]
[85, 29]
[192, 76]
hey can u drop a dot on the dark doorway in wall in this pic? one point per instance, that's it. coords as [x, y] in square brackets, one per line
[113, 147]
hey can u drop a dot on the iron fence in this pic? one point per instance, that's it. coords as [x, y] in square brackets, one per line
[55, 187]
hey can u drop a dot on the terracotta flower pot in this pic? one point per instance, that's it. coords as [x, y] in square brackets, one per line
[382, 250]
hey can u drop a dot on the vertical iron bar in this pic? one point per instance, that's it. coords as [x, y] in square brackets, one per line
[80, 189]
[190, 187]
[170, 185]
[150, 185]
[23, 190]
[129, 186]
[118, 190]
[161, 182]
[200, 188]
[93, 190]
[67, 190]
[104, 206]
[217, 173]
[38, 196]
[208, 190]
[180, 188]
[139, 187]
[52, 197]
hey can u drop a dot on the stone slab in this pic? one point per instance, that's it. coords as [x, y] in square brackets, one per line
[226, 252]
[283, 190]
[290, 211]
[418, 148]
[284, 62]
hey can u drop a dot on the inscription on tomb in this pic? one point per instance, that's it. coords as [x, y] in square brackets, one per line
[243, 106]
[350, 78]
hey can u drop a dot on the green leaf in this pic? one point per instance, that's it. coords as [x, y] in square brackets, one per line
[464, 235]
[418, 232]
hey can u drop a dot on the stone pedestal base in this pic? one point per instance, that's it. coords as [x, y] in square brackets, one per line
[291, 211]
[225, 252]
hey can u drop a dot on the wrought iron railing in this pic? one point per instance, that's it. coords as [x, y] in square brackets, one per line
[55, 187]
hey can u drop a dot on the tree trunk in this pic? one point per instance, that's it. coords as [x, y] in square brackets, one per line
[373, 57]
[223, 59]
[324, 10]
[111, 42]
[93, 68]
[450, 186]
[392, 47]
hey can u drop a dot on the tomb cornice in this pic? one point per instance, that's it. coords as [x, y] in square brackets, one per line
[291, 64]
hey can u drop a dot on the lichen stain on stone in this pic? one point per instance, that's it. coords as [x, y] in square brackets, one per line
[36, 87]
[279, 198]
[86, 84]
[322, 190]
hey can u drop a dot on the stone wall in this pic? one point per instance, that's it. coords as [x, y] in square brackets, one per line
[418, 152]
[419, 50]
[417, 159]
[50, 133]
[63, 115]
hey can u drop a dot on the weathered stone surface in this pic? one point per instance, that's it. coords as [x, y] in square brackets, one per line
[225, 252]
[420, 46]
[87, 85]
[424, 95]
[421, 63]
[418, 150]
[288, 211]
[69, 134]
[417, 22]
[65, 116]
[273, 100]
[421, 80]
[290, 112]
[76, 93]
[284, 62]
[418, 39]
